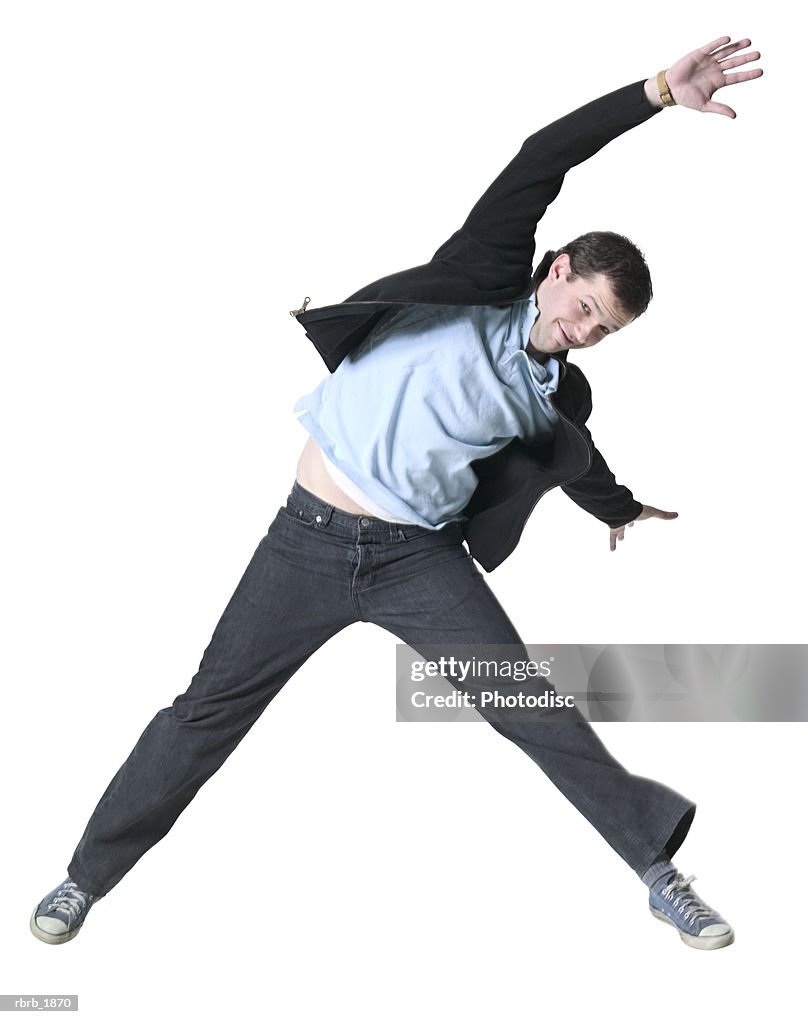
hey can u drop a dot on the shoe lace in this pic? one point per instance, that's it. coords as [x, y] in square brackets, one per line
[71, 900]
[691, 906]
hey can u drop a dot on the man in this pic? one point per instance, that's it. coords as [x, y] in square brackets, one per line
[450, 410]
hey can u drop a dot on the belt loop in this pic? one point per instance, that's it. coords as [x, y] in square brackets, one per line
[324, 518]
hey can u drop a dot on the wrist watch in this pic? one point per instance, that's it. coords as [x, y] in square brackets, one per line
[664, 90]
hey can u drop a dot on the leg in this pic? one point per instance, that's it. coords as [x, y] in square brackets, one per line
[444, 606]
[293, 596]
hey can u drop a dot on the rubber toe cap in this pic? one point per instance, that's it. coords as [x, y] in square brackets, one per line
[51, 925]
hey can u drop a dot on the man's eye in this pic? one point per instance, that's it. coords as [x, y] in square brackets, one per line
[605, 330]
[584, 307]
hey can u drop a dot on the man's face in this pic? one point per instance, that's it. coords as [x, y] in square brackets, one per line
[575, 313]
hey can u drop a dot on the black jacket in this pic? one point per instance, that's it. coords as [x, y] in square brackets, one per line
[489, 261]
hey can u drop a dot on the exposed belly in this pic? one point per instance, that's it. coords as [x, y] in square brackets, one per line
[312, 474]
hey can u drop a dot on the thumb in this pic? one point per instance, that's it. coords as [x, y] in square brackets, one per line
[658, 513]
[711, 107]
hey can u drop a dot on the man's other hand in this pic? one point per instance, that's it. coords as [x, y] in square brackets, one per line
[648, 512]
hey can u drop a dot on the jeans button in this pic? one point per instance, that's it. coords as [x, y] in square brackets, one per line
[318, 519]
[364, 521]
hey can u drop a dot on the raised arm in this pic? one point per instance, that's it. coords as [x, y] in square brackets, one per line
[490, 258]
[497, 238]
[498, 235]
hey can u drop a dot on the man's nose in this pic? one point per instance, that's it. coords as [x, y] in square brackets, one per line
[584, 332]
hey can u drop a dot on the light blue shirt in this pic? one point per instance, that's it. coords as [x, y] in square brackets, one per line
[431, 389]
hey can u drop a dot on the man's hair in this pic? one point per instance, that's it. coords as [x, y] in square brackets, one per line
[610, 254]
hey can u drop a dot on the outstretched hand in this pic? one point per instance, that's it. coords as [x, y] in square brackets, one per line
[693, 79]
[648, 512]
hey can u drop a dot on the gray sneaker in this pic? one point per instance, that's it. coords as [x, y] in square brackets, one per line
[698, 925]
[61, 914]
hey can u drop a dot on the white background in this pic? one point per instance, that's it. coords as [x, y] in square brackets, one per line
[175, 178]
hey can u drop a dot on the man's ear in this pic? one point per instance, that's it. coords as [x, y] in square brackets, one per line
[560, 267]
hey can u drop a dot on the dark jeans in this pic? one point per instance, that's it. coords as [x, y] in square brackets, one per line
[317, 570]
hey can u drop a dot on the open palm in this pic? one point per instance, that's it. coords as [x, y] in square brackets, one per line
[693, 79]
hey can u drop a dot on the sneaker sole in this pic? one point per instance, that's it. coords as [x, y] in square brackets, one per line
[709, 942]
[51, 939]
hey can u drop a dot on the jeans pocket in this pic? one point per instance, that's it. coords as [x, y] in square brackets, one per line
[300, 515]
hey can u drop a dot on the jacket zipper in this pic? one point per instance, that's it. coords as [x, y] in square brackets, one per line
[401, 302]
[297, 312]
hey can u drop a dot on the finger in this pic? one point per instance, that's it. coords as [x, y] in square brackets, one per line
[734, 62]
[612, 542]
[631, 524]
[712, 107]
[709, 47]
[742, 76]
[659, 513]
[725, 51]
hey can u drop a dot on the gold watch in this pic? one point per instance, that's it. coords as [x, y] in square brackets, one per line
[664, 90]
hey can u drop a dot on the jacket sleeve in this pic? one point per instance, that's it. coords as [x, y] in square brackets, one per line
[499, 232]
[599, 493]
